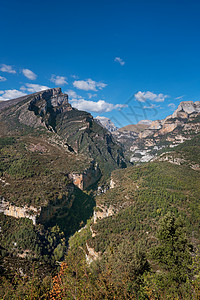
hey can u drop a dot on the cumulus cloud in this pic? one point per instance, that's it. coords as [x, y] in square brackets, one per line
[10, 94]
[89, 85]
[29, 74]
[172, 106]
[2, 78]
[99, 106]
[33, 88]
[119, 60]
[145, 96]
[72, 94]
[7, 69]
[59, 80]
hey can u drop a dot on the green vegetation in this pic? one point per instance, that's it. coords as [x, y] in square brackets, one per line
[25, 239]
[189, 150]
[74, 216]
[35, 177]
[151, 191]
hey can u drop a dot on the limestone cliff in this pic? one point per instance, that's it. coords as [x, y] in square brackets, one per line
[19, 212]
[102, 211]
[87, 178]
[43, 108]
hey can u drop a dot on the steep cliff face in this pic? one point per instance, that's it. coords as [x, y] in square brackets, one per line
[43, 108]
[87, 178]
[19, 212]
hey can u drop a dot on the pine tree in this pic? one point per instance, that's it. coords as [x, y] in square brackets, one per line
[172, 252]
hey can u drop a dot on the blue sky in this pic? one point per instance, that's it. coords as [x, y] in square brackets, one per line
[103, 53]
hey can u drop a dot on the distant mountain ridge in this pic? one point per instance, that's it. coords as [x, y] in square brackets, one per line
[107, 123]
[169, 132]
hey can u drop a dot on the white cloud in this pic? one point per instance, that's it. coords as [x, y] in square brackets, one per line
[145, 96]
[179, 98]
[89, 85]
[91, 95]
[11, 94]
[172, 106]
[33, 88]
[99, 106]
[29, 74]
[2, 78]
[59, 80]
[7, 69]
[151, 106]
[74, 76]
[72, 94]
[119, 60]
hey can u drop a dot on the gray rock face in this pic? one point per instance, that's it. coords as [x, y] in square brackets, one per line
[87, 178]
[107, 123]
[41, 108]
[188, 107]
[52, 99]
[156, 124]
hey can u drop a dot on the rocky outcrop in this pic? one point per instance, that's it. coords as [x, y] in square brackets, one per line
[155, 125]
[91, 254]
[184, 111]
[177, 159]
[171, 158]
[19, 212]
[125, 137]
[90, 176]
[42, 108]
[112, 183]
[52, 99]
[102, 212]
[107, 123]
[186, 108]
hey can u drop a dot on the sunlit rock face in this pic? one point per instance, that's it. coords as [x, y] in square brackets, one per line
[187, 107]
[19, 212]
[87, 178]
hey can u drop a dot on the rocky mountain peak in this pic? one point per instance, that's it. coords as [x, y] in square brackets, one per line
[38, 109]
[53, 98]
[106, 122]
[186, 108]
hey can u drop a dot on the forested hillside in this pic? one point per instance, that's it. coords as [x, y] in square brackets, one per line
[148, 248]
